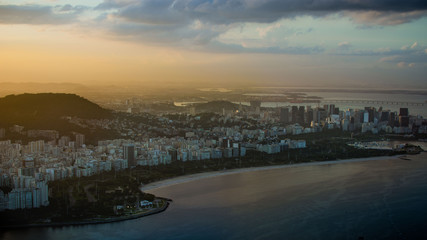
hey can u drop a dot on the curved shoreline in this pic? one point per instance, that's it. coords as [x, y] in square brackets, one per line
[203, 175]
[90, 222]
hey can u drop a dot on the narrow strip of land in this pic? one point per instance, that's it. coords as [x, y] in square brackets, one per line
[92, 221]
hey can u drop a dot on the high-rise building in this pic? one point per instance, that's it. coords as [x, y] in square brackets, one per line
[319, 115]
[365, 117]
[284, 115]
[385, 116]
[403, 121]
[64, 141]
[80, 140]
[351, 126]
[301, 111]
[392, 119]
[403, 112]
[316, 115]
[129, 155]
[345, 123]
[336, 111]
[294, 114]
[331, 109]
[371, 113]
[309, 115]
[403, 117]
[323, 114]
[36, 146]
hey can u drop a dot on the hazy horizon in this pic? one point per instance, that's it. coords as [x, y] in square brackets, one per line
[173, 91]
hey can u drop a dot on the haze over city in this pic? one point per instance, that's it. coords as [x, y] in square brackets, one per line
[213, 119]
[380, 44]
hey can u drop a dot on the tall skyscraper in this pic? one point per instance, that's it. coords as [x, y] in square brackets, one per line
[129, 154]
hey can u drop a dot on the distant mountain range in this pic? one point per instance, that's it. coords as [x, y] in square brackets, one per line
[7, 88]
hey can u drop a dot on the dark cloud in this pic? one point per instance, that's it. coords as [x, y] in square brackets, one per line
[193, 23]
[199, 22]
[155, 12]
[36, 14]
[232, 11]
[387, 18]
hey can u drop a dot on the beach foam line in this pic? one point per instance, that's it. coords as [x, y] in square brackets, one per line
[199, 176]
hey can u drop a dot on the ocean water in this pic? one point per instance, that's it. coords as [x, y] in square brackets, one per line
[377, 199]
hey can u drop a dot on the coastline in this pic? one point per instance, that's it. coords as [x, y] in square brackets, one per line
[91, 222]
[204, 175]
[189, 178]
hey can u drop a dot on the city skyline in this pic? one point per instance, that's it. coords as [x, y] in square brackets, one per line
[375, 44]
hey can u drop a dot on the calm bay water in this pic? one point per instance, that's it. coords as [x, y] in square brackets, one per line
[379, 199]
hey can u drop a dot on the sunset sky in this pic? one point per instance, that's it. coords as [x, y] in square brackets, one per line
[322, 43]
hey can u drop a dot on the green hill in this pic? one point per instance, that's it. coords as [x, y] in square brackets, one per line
[45, 111]
[49, 105]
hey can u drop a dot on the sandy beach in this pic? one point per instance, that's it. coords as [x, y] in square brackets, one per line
[198, 176]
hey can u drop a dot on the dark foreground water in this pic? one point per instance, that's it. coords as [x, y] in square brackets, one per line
[380, 199]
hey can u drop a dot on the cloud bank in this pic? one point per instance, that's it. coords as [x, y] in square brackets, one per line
[198, 24]
[264, 11]
[38, 14]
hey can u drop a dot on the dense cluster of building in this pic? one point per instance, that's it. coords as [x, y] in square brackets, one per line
[369, 119]
[21, 187]
[25, 169]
